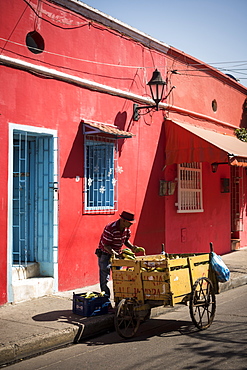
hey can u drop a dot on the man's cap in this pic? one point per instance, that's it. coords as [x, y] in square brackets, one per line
[128, 216]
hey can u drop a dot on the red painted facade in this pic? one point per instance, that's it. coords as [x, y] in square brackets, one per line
[80, 43]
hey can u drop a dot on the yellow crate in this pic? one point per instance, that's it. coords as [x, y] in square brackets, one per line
[125, 289]
[156, 277]
[180, 282]
[156, 285]
[152, 265]
[199, 266]
[152, 258]
[124, 263]
[127, 280]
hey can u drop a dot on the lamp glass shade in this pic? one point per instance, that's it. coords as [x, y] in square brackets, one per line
[214, 167]
[157, 85]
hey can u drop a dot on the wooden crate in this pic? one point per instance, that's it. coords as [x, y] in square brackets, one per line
[184, 272]
[127, 280]
[157, 277]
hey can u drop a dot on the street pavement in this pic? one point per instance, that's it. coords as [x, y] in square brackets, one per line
[32, 327]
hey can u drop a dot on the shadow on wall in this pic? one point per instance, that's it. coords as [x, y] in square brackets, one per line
[74, 164]
[150, 232]
[120, 122]
[243, 122]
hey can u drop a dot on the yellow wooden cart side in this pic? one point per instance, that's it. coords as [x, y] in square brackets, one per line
[159, 278]
[155, 280]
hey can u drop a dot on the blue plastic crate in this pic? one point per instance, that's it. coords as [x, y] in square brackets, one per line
[90, 306]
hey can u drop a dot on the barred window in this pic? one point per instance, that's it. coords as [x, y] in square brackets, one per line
[100, 175]
[189, 188]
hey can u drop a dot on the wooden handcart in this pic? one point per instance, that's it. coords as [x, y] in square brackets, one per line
[161, 280]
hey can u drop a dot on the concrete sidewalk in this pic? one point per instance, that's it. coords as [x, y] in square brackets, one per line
[45, 323]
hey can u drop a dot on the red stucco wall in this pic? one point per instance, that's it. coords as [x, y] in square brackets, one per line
[88, 50]
[192, 232]
[3, 213]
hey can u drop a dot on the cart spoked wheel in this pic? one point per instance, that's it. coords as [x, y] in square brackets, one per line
[126, 319]
[202, 303]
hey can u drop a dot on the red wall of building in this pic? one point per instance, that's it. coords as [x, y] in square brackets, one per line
[3, 213]
[243, 234]
[88, 50]
[192, 232]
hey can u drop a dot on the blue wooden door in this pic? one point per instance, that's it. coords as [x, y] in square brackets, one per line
[33, 177]
[44, 205]
[23, 199]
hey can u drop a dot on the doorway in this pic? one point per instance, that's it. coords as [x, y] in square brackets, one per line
[237, 205]
[33, 192]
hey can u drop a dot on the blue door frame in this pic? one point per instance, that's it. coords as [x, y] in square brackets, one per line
[33, 227]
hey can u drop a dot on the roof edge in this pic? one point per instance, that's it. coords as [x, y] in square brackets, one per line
[96, 15]
[214, 72]
[109, 21]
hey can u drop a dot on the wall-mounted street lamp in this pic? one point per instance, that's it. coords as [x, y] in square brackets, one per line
[214, 166]
[157, 85]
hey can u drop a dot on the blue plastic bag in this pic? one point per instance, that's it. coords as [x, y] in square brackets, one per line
[221, 270]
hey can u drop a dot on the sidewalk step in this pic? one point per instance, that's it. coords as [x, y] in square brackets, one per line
[20, 272]
[35, 287]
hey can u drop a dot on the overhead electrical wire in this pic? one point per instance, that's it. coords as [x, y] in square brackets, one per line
[178, 71]
[79, 59]
[184, 72]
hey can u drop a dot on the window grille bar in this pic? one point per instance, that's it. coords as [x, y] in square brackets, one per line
[100, 176]
[20, 183]
[189, 188]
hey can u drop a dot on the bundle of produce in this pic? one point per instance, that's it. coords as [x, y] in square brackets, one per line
[90, 295]
[154, 269]
[140, 249]
[127, 253]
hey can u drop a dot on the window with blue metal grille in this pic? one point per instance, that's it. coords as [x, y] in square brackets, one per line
[100, 175]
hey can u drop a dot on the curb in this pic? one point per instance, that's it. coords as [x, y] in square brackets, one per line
[233, 283]
[36, 344]
[94, 326]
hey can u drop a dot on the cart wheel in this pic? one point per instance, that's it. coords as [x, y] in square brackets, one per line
[126, 320]
[202, 303]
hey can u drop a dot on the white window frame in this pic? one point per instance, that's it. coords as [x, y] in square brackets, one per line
[190, 198]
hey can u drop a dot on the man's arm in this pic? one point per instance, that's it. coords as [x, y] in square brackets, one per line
[110, 250]
[130, 245]
[134, 248]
